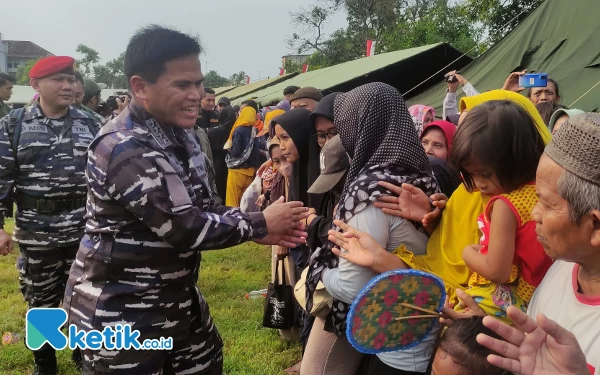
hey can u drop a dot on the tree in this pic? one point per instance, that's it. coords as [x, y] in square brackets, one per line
[22, 75]
[238, 79]
[90, 58]
[292, 66]
[498, 17]
[342, 46]
[213, 79]
[443, 23]
[393, 25]
[309, 22]
[112, 73]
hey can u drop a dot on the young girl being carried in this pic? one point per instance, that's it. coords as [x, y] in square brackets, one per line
[497, 149]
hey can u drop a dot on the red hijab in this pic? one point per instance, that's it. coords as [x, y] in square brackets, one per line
[448, 128]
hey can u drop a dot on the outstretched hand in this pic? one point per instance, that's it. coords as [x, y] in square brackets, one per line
[412, 204]
[285, 224]
[449, 315]
[355, 246]
[533, 348]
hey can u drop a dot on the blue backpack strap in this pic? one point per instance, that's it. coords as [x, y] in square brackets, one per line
[14, 130]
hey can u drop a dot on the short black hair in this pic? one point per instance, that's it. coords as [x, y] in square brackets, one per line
[79, 78]
[4, 78]
[152, 47]
[549, 80]
[502, 136]
[290, 90]
[459, 341]
[208, 90]
[250, 103]
[547, 109]
[87, 98]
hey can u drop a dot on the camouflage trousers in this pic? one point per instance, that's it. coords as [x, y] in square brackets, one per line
[199, 352]
[43, 273]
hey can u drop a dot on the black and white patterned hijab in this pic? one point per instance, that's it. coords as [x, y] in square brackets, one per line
[379, 135]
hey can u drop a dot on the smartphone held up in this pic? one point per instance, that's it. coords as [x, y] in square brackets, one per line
[533, 80]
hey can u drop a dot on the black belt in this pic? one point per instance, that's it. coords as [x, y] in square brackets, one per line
[25, 202]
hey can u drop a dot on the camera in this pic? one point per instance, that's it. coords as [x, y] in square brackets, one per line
[111, 104]
[450, 78]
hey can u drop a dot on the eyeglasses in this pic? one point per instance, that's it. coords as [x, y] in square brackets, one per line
[324, 137]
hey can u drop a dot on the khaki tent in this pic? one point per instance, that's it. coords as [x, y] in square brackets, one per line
[561, 38]
[402, 69]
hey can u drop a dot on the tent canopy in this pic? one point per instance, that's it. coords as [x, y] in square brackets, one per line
[560, 38]
[246, 90]
[223, 90]
[403, 69]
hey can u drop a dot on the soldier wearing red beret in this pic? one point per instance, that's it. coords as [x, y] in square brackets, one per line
[44, 152]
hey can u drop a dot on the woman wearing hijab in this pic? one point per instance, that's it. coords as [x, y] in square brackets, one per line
[279, 188]
[437, 140]
[457, 227]
[217, 137]
[422, 115]
[244, 156]
[291, 129]
[379, 136]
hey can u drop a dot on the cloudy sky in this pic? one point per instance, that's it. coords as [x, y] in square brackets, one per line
[249, 35]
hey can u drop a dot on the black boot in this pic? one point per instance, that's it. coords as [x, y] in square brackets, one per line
[76, 358]
[45, 361]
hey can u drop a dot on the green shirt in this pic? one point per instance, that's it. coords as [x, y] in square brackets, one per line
[4, 109]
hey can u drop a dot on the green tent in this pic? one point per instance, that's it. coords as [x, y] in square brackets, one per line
[561, 38]
[402, 69]
[245, 90]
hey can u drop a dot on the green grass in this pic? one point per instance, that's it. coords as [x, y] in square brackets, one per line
[226, 276]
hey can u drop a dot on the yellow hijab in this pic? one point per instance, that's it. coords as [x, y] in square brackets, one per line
[458, 226]
[247, 118]
[268, 118]
[468, 103]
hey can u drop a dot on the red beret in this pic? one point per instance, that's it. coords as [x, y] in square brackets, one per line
[52, 65]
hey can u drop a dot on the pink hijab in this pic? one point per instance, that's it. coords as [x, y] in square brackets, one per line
[448, 128]
[418, 112]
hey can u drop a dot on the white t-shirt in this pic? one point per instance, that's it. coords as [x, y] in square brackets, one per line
[557, 297]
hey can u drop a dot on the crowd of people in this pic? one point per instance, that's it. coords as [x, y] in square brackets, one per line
[499, 198]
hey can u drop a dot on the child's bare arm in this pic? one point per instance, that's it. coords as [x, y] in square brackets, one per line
[496, 265]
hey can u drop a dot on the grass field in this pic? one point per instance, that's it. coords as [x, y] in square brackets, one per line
[226, 276]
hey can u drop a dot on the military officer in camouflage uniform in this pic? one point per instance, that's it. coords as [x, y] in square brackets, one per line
[150, 214]
[43, 149]
[81, 92]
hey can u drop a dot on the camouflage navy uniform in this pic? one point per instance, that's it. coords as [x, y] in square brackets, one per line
[48, 184]
[96, 116]
[150, 213]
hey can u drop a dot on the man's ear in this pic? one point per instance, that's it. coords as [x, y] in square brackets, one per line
[595, 238]
[139, 87]
[35, 83]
